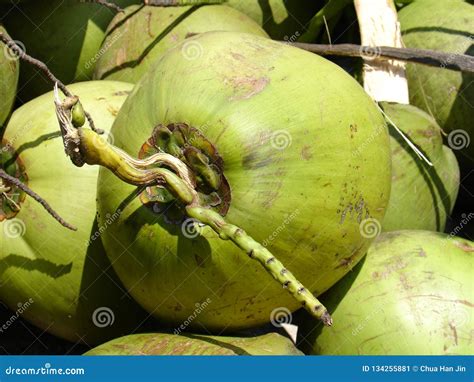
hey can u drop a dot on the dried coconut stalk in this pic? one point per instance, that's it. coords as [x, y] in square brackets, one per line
[384, 80]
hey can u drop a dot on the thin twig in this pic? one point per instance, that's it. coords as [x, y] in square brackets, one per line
[458, 62]
[16, 182]
[105, 3]
[42, 66]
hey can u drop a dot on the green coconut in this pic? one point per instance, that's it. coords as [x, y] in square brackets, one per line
[422, 196]
[281, 19]
[447, 95]
[193, 344]
[63, 277]
[282, 146]
[137, 38]
[66, 35]
[9, 71]
[412, 295]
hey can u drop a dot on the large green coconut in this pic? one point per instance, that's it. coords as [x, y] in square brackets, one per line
[192, 344]
[447, 95]
[137, 38]
[422, 196]
[285, 141]
[9, 71]
[281, 19]
[61, 280]
[65, 34]
[412, 295]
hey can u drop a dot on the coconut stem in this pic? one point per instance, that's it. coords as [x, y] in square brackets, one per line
[256, 251]
[105, 3]
[17, 183]
[44, 68]
[85, 146]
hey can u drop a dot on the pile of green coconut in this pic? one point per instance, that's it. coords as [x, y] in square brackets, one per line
[193, 179]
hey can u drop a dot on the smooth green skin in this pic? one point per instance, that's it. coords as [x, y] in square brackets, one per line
[192, 344]
[447, 95]
[66, 35]
[422, 197]
[242, 91]
[281, 19]
[412, 295]
[49, 263]
[133, 46]
[9, 72]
